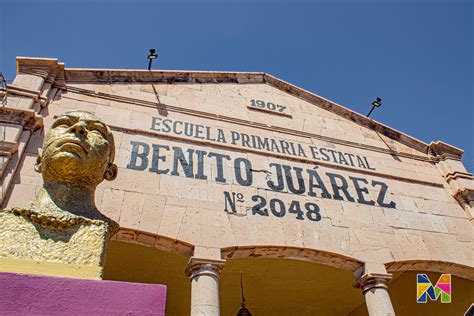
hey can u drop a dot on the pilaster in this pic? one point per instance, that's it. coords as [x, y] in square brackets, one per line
[453, 171]
[33, 88]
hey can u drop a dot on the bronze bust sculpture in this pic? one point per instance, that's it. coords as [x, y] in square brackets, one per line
[62, 224]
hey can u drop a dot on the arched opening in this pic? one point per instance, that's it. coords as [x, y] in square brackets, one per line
[288, 281]
[277, 286]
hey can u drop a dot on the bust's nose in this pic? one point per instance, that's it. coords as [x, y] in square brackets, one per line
[79, 128]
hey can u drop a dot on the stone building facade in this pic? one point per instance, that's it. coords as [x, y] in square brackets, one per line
[224, 176]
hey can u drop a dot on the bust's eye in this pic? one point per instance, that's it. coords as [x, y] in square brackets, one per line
[99, 131]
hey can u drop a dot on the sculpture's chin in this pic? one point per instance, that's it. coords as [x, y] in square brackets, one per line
[63, 167]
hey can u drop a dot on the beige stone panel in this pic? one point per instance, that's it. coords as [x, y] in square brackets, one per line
[81, 85]
[461, 251]
[267, 230]
[439, 207]
[132, 180]
[322, 236]
[438, 224]
[440, 247]
[411, 220]
[371, 253]
[207, 252]
[131, 210]
[372, 237]
[13, 163]
[28, 81]
[242, 230]
[219, 237]
[294, 232]
[102, 87]
[28, 169]
[80, 97]
[34, 145]
[12, 101]
[68, 104]
[113, 116]
[171, 221]
[450, 166]
[214, 218]
[28, 180]
[153, 208]
[144, 87]
[172, 186]
[461, 227]
[111, 203]
[397, 243]
[415, 248]
[125, 91]
[11, 132]
[354, 215]
[190, 229]
[20, 194]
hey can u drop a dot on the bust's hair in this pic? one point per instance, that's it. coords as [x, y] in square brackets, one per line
[110, 136]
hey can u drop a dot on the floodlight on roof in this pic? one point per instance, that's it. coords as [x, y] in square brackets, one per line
[375, 104]
[151, 55]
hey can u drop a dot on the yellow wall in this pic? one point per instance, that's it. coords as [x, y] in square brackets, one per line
[135, 263]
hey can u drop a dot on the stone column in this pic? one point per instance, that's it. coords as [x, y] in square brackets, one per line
[204, 275]
[372, 279]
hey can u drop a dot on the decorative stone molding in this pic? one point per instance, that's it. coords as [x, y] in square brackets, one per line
[372, 278]
[151, 240]
[442, 150]
[7, 148]
[451, 168]
[197, 267]
[26, 118]
[50, 69]
[371, 281]
[306, 254]
[24, 92]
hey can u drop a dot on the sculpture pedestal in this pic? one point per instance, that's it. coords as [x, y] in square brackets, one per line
[32, 294]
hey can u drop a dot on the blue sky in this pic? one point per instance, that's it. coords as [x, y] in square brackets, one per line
[416, 55]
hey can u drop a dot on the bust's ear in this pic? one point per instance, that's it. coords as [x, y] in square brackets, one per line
[38, 164]
[111, 172]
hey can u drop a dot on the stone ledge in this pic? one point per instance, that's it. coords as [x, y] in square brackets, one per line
[26, 118]
[50, 268]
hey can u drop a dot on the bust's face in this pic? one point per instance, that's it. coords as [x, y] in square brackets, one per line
[79, 149]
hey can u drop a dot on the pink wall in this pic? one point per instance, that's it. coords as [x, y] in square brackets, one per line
[24, 294]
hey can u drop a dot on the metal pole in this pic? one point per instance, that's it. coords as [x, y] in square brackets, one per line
[373, 107]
